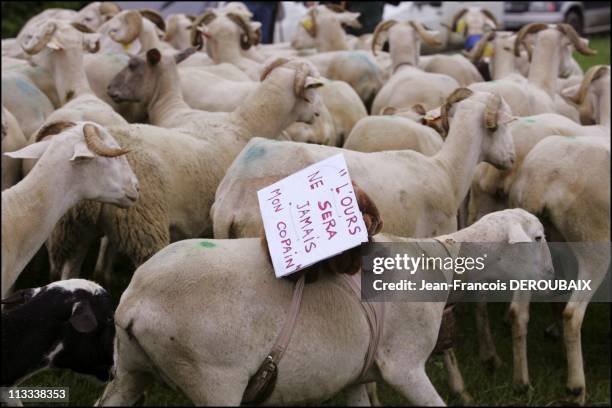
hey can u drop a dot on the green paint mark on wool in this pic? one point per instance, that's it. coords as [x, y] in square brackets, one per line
[207, 244]
[530, 120]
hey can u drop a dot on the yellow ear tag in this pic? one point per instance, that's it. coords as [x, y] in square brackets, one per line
[489, 50]
[461, 26]
[133, 47]
[307, 23]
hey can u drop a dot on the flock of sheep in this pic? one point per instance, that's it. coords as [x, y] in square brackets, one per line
[153, 136]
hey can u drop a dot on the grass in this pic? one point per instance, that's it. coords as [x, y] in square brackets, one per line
[546, 357]
[601, 43]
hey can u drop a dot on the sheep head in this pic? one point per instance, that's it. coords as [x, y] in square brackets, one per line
[383, 28]
[125, 27]
[475, 20]
[586, 94]
[95, 14]
[305, 81]
[197, 31]
[568, 31]
[138, 80]
[61, 35]
[247, 38]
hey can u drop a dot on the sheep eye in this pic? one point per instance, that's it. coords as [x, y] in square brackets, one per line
[538, 238]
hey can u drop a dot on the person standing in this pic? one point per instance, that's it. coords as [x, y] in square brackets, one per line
[265, 12]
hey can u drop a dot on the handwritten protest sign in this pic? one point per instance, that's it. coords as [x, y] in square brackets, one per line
[311, 215]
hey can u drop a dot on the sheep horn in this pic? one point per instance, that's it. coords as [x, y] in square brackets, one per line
[458, 15]
[490, 114]
[481, 45]
[425, 35]
[271, 66]
[526, 29]
[96, 145]
[312, 31]
[247, 37]
[301, 72]
[487, 13]
[381, 28]
[49, 30]
[206, 18]
[570, 33]
[154, 17]
[53, 128]
[133, 22]
[458, 95]
[171, 28]
[82, 28]
[109, 9]
[595, 72]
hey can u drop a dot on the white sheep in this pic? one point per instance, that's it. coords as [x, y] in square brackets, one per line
[175, 166]
[394, 130]
[161, 314]
[592, 96]
[58, 46]
[470, 22]
[322, 28]
[409, 85]
[32, 207]
[12, 139]
[572, 197]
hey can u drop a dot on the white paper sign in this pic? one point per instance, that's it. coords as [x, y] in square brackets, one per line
[311, 215]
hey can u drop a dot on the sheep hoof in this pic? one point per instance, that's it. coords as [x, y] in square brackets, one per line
[465, 399]
[553, 331]
[492, 363]
[522, 388]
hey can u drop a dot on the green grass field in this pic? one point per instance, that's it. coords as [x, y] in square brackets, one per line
[546, 357]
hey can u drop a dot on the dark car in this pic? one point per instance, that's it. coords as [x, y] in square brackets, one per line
[585, 16]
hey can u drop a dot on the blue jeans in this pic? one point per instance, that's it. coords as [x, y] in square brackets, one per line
[265, 13]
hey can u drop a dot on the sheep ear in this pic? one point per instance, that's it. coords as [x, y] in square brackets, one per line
[349, 19]
[313, 83]
[153, 56]
[91, 42]
[388, 110]
[83, 319]
[570, 94]
[33, 151]
[81, 152]
[516, 234]
[18, 298]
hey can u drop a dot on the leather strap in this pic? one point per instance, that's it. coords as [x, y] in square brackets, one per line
[375, 315]
[280, 345]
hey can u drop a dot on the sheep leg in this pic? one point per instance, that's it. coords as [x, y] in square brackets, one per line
[132, 373]
[486, 350]
[519, 315]
[455, 380]
[593, 263]
[71, 267]
[372, 394]
[414, 384]
[104, 263]
[357, 395]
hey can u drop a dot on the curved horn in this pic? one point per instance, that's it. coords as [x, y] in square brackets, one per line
[491, 110]
[247, 37]
[458, 95]
[154, 17]
[301, 72]
[526, 29]
[312, 31]
[109, 9]
[82, 28]
[133, 22]
[573, 36]
[53, 128]
[206, 18]
[481, 45]
[595, 72]
[95, 144]
[381, 28]
[487, 13]
[271, 66]
[425, 35]
[31, 49]
[458, 15]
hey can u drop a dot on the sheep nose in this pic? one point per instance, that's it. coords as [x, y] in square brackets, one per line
[316, 114]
